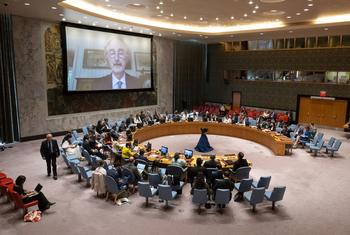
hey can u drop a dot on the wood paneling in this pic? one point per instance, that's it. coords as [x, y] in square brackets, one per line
[323, 112]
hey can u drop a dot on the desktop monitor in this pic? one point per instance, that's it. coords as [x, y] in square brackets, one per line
[188, 153]
[164, 150]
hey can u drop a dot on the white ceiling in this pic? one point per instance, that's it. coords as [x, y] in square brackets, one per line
[198, 13]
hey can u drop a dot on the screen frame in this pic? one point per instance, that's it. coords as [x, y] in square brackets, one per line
[63, 26]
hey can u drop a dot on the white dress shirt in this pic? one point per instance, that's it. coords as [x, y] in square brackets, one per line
[115, 81]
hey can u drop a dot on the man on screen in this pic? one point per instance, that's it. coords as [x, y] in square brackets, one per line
[118, 56]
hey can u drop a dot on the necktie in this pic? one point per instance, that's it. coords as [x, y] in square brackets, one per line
[119, 84]
[50, 147]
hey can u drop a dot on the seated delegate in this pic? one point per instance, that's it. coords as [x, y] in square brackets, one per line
[30, 196]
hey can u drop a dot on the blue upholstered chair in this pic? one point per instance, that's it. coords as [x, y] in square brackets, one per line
[264, 181]
[154, 179]
[85, 173]
[316, 139]
[71, 158]
[241, 173]
[166, 194]
[87, 156]
[244, 186]
[222, 197]
[146, 191]
[75, 137]
[275, 195]
[143, 162]
[329, 144]
[85, 130]
[75, 169]
[334, 148]
[112, 188]
[200, 197]
[255, 196]
[316, 148]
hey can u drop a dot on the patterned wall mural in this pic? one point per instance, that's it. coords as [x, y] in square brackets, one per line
[60, 102]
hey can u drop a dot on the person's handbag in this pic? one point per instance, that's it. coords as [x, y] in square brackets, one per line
[33, 216]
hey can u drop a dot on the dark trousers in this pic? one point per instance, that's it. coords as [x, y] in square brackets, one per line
[43, 203]
[51, 160]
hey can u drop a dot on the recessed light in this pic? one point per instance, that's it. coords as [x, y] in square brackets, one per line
[250, 2]
[185, 17]
[171, 14]
[63, 19]
[54, 8]
[245, 15]
[106, 0]
[261, 33]
[61, 14]
[161, 12]
[254, 11]
[27, 4]
[79, 22]
[94, 24]
[217, 18]
[201, 18]
[161, 3]
[326, 29]
[256, 7]
[298, 13]
[310, 4]
[288, 17]
[306, 9]
[107, 26]
[232, 17]
[136, 4]
[119, 28]
[158, 7]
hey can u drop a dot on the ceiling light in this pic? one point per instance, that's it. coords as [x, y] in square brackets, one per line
[261, 33]
[161, 3]
[130, 29]
[310, 4]
[245, 15]
[151, 33]
[171, 14]
[79, 22]
[63, 19]
[298, 13]
[288, 17]
[158, 7]
[201, 18]
[185, 17]
[54, 8]
[254, 11]
[217, 18]
[27, 4]
[326, 29]
[107, 26]
[61, 14]
[94, 24]
[250, 2]
[136, 4]
[306, 9]
[232, 17]
[256, 7]
[159, 34]
[106, 0]
[161, 12]
[86, 7]
[119, 28]
[333, 19]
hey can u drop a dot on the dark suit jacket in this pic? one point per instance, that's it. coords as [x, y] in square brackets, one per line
[212, 164]
[105, 83]
[45, 151]
[240, 163]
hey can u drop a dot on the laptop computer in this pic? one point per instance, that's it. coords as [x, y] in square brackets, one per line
[38, 188]
[164, 150]
[188, 154]
[141, 167]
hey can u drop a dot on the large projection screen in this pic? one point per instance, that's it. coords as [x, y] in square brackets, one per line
[97, 59]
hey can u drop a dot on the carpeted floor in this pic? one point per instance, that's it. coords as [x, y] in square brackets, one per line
[316, 200]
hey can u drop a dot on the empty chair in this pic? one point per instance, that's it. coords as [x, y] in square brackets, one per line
[85, 130]
[154, 179]
[264, 181]
[329, 144]
[244, 186]
[75, 138]
[317, 147]
[222, 197]
[252, 122]
[67, 160]
[143, 162]
[86, 174]
[254, 196]
[275, 195]
[113, 188]
[200, 197]
[75, 169]
[316, 139]
[146, 191]
[241, 173]
[334, 148]
[166, 193]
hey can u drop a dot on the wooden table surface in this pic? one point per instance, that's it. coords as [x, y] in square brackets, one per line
[276, 142]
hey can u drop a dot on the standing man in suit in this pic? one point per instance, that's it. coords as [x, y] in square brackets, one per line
[49, 151]
[118, 56]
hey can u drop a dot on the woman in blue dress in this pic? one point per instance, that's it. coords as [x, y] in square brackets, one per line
[203, 145]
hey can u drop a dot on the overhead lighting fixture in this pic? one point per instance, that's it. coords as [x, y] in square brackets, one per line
[232, 17]
[54, 8]
[107, 26]
[245, 15]
[61, 14]
[217, 18]
[288, 17]
[298, 13]
[94, 24]
[310, 4]
[201, 18]
[161, 12]
[185, 17]
[250, 2]
[158, 7]
[63, 19]
[171, 14]
[306, 9]
[86, 7]
[326, 29]
[79, 22]
[27, 4]
[256, 7]
[254, 11]
[161, 3]
[333, 19]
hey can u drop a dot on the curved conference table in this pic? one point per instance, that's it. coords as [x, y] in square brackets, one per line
[274, 141]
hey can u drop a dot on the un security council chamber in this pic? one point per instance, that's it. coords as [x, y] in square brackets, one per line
[174, 117]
